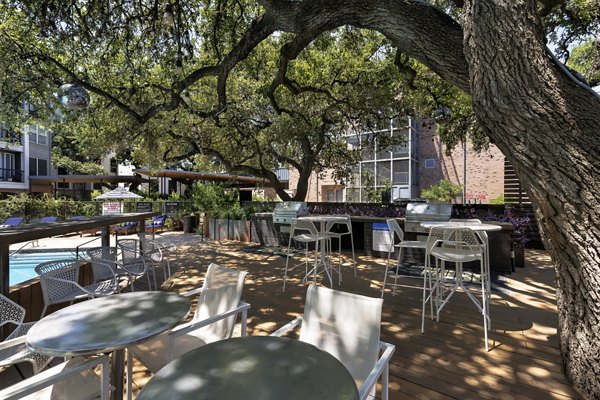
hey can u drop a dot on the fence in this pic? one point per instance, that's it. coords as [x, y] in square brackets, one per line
[33, 209]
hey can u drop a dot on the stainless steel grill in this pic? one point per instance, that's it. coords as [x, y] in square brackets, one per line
[285, 211]
[420, 212]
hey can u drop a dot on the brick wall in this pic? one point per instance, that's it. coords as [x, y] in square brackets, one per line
[315, 185]
[485, 171]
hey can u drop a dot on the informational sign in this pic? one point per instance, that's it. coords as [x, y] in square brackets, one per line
[171, 207]
[111, 208]
[143, 206]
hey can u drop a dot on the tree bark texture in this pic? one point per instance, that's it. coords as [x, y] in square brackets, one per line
[549, 128]
[545, 123]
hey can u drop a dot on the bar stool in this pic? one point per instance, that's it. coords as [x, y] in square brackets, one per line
[483, 237]
[396, 233]
[307, 233]
[457, 246]
[347, 223]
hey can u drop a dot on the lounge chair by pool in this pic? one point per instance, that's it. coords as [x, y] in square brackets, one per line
[126, 228]
[158, 222]
[11, 221]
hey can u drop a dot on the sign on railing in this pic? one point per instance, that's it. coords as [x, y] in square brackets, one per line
[171, 207]
[111, 208]
[143, 206]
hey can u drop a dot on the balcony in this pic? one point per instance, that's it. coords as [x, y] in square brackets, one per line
[11, 175]
[11, 137]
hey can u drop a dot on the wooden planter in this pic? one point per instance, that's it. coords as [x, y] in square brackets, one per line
[229, 229]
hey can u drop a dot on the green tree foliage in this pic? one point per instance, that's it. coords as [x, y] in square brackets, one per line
[444, 192]
[585, 58]
[275, 109]
[221, 84]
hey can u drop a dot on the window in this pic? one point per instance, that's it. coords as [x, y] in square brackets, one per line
[33, 166]
[37, 134]
[10, 136]
[333, 194]
[429, 163]
[7, 166]
[113, 165]
[42, 136]
[42, 167]
[38, 167]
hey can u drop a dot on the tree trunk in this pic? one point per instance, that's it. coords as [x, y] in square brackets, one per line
[548, 127]
[545, 123]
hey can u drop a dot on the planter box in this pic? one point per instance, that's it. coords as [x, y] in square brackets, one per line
[263, 230]
[239, 230]
[226, 229]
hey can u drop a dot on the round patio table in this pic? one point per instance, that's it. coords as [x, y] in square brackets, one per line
[107, 324]
[253, 367]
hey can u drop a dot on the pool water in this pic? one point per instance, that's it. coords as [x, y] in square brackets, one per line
[22, 265]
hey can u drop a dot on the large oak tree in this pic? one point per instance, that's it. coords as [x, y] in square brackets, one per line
[542, 117]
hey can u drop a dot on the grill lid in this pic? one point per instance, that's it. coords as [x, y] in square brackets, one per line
[428, 211]
[285, 211]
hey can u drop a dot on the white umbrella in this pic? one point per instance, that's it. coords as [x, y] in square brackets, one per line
[119, 193]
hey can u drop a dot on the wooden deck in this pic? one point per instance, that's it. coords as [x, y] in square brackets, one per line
[448, 361]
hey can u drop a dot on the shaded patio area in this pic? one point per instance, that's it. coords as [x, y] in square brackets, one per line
[448, 361]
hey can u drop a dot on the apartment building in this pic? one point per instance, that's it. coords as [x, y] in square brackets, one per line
[23, 153]
[406, 169]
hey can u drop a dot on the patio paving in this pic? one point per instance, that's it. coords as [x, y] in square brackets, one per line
[448, 361]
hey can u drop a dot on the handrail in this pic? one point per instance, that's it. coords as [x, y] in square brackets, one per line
[82, 244]
[21, 248]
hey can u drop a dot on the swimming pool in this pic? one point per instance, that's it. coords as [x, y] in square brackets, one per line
[22, 265]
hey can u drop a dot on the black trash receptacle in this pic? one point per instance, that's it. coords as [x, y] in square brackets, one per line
[189, 224]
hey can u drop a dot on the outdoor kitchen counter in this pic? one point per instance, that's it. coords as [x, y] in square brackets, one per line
[266, 233]
[500, 243]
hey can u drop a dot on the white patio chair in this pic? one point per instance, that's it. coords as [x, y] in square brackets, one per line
[347, 326]
[13, 351]
[101, 256]
[132, 260]
[157, 255]
[71, 380]
[458, 246]
[483, 237]
[214, 319]
[397, 242]
[346, 222]
[59, 280]
[304, 231]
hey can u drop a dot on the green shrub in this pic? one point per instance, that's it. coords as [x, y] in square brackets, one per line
[444, 192]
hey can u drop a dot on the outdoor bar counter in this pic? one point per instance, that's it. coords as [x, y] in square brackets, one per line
[263, 231]
[25, 233]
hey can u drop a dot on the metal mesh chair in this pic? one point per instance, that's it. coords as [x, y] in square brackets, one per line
[60, 282]
[157, 255]
[458, 246]
[102, 256]
[132, 260]
[397, 242]
[348, 326]
[347, 224]
[483, 237]
[11, 350]
[304, 231]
